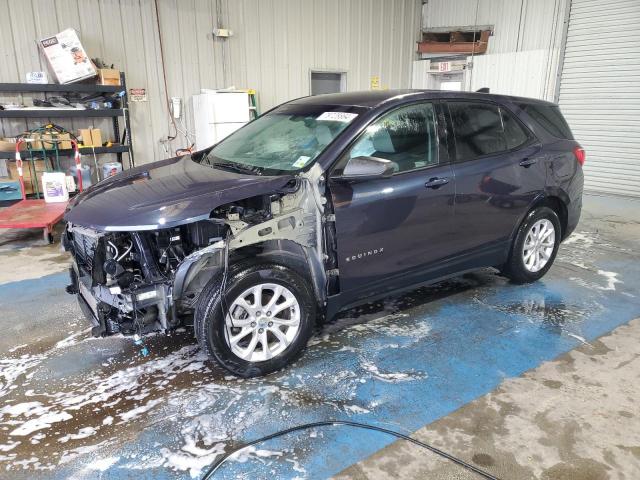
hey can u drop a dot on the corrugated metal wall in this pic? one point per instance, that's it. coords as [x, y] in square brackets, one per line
[275, 45]
[518, 24]
[600, 91]
[531, 73]
[522, 56]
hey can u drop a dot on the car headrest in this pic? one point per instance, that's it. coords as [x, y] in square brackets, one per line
[381, 141]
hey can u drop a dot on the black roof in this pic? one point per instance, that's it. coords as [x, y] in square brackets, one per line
[374, 98]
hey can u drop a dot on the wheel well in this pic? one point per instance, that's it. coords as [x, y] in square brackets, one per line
[292, 258]
[557, 205]
[259, 254]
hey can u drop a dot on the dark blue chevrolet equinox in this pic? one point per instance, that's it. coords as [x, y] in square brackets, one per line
[320, 204]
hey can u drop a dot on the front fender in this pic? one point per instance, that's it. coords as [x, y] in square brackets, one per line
[283, 252]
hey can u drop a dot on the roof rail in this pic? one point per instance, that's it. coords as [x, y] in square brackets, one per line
[483, 90]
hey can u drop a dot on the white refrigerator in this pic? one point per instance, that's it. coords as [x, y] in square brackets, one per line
[219, 114]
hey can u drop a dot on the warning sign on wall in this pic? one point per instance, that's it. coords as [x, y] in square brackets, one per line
[137, 94]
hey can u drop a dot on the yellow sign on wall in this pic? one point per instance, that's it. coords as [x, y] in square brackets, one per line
[375, 82]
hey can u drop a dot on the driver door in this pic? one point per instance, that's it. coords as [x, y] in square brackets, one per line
[391, 230]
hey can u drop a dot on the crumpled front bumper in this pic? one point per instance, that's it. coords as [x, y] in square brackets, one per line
[111, 311]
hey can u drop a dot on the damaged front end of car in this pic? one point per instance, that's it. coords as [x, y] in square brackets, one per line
[146, 280]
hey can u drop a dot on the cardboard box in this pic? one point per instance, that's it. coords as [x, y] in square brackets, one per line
[61, 141]
[9, 145]
[36, 143]
[67, 58]
[29, 182]
[96, 137]
[85, 137]
[109, 76]
[91, 137]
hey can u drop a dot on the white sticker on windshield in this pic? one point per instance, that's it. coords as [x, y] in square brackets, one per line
[301, 161]
[338, 116]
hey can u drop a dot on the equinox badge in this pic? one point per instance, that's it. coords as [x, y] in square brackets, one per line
[368, 253]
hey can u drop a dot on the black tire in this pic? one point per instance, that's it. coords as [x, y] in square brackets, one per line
[515, 268]
[209, 321]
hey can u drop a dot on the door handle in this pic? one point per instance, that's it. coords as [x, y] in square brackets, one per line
[436, 182]
[527, 162]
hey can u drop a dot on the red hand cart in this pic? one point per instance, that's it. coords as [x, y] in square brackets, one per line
[37, 213]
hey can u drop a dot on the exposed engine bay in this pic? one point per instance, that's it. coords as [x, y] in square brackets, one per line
[137, 282]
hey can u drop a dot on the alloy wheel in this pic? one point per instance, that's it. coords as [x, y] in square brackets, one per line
[538, 245]
[262, 322]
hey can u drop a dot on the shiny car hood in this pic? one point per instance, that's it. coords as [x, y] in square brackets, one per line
[164, 194]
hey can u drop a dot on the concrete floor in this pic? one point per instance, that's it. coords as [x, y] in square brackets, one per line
[572, 418]
[467, 364]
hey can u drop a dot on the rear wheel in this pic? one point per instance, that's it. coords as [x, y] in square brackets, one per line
[535, 246]
[261, 323]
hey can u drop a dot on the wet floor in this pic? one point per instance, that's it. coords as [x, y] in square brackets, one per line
[76, 407]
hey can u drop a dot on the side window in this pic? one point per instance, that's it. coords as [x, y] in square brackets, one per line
[477, 128]
[549, 118]
[406, 136]
[514, 133]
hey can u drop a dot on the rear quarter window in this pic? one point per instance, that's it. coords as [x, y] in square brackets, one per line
[549, 118]
[514, 133]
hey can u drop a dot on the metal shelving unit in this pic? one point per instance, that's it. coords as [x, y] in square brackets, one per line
[36, 213]
[84, 150]
[125, 143]
[55, 87]
[59, 112]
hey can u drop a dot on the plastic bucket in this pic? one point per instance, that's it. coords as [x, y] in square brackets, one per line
[86, 176]
[110, 169]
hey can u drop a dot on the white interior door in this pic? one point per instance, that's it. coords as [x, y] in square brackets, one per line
[449, 81]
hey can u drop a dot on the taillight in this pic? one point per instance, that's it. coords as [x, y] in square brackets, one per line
[580, 154]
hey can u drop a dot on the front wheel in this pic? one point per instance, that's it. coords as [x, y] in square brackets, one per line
[261, 323]
[535, 246]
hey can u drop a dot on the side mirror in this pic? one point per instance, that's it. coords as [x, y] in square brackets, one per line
[366, 168]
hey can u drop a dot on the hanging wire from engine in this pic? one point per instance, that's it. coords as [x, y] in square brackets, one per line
[137, 337]
[115, 249]
[223, 283]
[125, 252]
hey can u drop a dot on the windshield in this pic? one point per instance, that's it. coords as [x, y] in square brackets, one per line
[279, 142]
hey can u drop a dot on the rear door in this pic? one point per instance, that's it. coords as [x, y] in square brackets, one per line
[389, 229]
[498, 172]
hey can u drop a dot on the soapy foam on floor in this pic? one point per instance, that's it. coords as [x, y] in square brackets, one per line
[206, 434]
[611, 278]
[610, 281]
[73, 338]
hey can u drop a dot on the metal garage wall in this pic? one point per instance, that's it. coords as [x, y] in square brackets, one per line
[522, 56]
[600, 91]
[531, 73]
[518, 24]
[275, 45]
